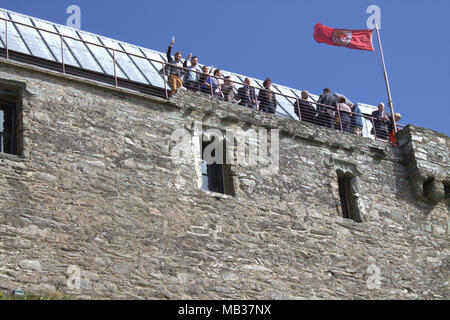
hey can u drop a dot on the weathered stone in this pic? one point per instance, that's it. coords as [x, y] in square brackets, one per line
[32, 265]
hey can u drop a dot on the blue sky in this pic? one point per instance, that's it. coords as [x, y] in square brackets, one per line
[275, 39]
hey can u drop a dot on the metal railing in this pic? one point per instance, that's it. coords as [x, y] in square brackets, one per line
[213, 85]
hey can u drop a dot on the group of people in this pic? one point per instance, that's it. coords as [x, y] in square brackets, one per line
[330, 111]
[348, 118]
[338, 113]
[190, 76]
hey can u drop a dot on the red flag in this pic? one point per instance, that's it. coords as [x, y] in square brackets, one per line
[352, 39]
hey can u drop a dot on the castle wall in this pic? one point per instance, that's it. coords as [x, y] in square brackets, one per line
[97, 206]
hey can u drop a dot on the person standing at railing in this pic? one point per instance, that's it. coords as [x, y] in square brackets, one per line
[174, 70]
[204, 86]
[193, 75]
[267, 99]
[326, 115]
[357, 124]
[381, 122]
[307, 110]
[344, 112]
[212, 84]
[247, 95]
[228, 90]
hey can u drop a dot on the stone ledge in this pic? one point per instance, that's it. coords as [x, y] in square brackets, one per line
[74, 78]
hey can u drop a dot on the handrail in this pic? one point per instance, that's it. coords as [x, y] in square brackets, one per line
[164, 64]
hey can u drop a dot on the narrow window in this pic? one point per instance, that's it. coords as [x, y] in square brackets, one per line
[212, 174]
[8, 143]
[216, 177]
[348, 204]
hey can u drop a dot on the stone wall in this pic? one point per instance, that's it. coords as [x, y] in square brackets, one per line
[97, 207]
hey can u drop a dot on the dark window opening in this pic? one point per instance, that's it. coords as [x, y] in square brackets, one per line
[7, 117]
[212, 174]
[216, 177]
[447, 190]
[345, 196]
[8, 134]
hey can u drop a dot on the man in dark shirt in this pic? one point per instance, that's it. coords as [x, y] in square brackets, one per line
[175, 71]
[247, 95]
[307, 110]
[381, 121]
[326, 114]
[267, 99]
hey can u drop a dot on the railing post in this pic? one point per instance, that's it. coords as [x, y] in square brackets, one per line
[6, 36]
[340, 119]
[164, 78]
[115, 70]
[62, 54]
[211, 84]
[299, 113]
[374, 129]
[256, 99]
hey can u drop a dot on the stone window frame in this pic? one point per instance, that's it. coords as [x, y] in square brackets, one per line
[229, 175]
[350, 170]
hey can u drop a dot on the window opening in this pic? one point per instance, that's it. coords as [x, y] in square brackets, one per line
[7, 127]
[212, 174]
[346, 198]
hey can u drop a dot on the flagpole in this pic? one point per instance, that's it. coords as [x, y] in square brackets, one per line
[391, 105]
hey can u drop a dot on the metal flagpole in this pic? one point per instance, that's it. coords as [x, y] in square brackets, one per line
[391, 105]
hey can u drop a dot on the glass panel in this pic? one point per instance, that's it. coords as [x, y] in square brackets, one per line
[153, 55]
[124, 61]
[14, 40]
[80, 51]
[150, 70]
[32, 38]
[54, 42]
[101, 54]
[367, 123]
[286, 103]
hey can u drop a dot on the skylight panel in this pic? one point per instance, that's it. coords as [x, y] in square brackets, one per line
[54, 43]
[31, 37]
[79, 49]
[101, 54]
[124, 61]
[15, 42]
[144, 65]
